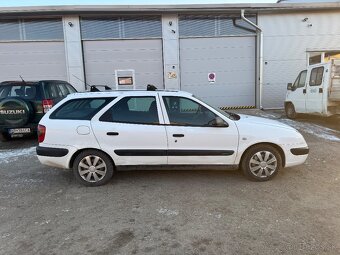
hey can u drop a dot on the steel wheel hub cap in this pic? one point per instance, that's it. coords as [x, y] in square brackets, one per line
[263, 164]
[92, 168]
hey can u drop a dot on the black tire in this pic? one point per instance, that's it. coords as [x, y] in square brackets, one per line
[248, 167]
[91, 181]
[4, 137]
[290, 111]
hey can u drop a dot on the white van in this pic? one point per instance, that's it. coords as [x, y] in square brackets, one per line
[315, 91]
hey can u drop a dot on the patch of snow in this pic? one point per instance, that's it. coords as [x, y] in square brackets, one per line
[7, 156]
[217, 216]
[314, 129]
[167, 212]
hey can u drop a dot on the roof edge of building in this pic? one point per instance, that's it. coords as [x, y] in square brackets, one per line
[273, 7]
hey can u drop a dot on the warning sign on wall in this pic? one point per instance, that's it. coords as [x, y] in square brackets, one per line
[211, 77]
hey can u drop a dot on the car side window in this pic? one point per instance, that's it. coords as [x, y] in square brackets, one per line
[50, 90]
[186, 112]
[70, 88]
[136, 110]
[80, 109]
[302, 80]
[63, 90]
[316, 76]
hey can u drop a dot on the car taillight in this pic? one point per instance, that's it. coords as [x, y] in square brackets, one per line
[47, 104]
[41, 133]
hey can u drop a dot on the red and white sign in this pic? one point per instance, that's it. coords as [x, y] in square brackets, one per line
[211, 77]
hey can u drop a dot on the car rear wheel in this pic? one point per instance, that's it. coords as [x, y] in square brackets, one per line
[93, 168]
[261, 163]
[290, 111]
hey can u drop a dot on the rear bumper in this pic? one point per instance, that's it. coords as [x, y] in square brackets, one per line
[55, 156]
[51, 152]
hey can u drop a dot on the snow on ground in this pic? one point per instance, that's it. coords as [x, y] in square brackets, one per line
[7, 156]
[306, 127]
[314, 129]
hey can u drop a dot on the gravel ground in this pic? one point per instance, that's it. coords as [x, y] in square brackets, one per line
[44, 211]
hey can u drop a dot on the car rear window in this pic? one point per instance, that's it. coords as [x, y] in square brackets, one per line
[57, 89]
[23, 91]
[80, 109]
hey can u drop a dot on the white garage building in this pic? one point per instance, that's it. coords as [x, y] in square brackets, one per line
[209, 50]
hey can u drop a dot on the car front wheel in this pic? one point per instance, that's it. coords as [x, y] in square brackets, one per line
[290, 111]
[93, 168]
[261, 162]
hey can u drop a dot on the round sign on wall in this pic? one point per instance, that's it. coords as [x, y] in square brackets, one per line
[211, 77]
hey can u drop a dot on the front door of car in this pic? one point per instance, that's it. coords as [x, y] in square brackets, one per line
[130, 131]
[314, 102]
[297, 94]
[193, 137]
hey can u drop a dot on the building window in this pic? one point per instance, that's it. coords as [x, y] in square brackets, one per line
[31, 30]
[121, 27]
[314, 58]
[214, 26]
[331, 55]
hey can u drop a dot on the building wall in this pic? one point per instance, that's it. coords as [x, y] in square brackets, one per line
[287, 39]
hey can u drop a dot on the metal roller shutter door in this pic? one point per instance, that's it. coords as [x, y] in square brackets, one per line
[233, 61]
[121, 43]
[220, 44]
[102, 58]
[32, 60]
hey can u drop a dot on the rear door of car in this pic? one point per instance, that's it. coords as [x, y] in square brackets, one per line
[131, 130]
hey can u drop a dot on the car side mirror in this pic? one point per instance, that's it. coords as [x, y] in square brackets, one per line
[219, 122]
[289, 86]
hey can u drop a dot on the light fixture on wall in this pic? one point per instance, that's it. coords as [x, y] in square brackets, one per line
[70, 24]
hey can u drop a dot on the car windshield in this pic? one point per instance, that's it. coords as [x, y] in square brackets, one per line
[18, 90]
[230, 115]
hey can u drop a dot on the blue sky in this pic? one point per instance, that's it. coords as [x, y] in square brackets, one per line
[9, 3]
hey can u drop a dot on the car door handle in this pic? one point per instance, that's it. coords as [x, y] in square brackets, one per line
[178, 135]
[320, 90]
[304, 91]
[112, 133]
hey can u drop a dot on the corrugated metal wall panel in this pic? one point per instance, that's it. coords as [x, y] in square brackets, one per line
[121, 27]
[233, 61]
[31, 30]
[32, 60]
[286, 40]
[102, 58]
[213, 26]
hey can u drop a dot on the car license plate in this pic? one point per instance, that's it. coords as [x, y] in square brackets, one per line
[13, 131]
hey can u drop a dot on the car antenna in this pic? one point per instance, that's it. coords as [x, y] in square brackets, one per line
[86, 84]
[22, 79]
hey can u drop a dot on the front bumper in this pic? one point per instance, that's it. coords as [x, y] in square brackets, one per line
[299, 151]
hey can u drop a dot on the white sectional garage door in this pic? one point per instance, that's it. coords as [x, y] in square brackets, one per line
[33, 49]
[123, 43]
[33, 61]
[225, 47]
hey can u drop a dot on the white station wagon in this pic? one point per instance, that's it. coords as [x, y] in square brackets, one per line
[99, 132]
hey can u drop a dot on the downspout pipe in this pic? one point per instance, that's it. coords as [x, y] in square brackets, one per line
[260, 57]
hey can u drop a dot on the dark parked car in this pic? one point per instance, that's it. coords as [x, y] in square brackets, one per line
[23, 103]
